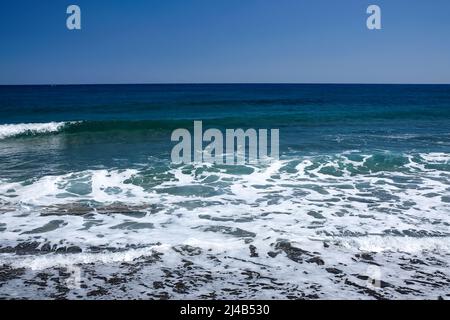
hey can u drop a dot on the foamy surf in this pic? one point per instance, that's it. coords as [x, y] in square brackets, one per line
[326, 220]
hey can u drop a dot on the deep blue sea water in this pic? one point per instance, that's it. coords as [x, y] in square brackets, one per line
[363, 180]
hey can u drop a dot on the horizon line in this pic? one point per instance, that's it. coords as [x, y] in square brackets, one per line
[222, 83]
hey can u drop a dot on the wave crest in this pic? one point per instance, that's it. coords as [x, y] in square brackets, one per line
[25, 129]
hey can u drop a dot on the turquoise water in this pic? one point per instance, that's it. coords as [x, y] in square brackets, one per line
[120, 126]
[364, 171]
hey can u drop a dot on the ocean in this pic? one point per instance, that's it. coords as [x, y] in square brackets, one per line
[356, 206]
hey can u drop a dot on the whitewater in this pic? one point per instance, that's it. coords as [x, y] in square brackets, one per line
[333, 219]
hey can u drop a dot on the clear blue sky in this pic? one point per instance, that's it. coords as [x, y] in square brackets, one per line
[152, 41]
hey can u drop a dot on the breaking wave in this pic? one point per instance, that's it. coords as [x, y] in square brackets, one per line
[31, 129]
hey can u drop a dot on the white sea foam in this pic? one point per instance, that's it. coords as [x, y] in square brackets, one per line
[11, 130]
[436, 157]
[67, 260]
[308, 201]
[96, 185]
[396, 244]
